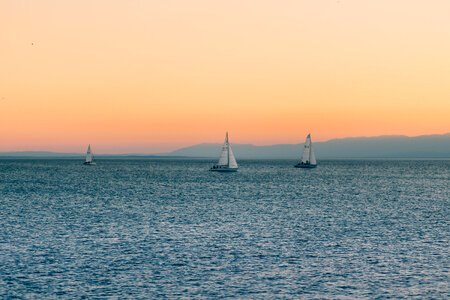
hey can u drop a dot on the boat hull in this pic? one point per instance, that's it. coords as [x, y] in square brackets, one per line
[89, 163]
[305, 166]
[224, 170]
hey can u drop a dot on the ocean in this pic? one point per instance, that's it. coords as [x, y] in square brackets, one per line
[168, 228]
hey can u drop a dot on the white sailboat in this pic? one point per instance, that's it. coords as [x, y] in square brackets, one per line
[89, 157]
[227, 162]
[308, 157]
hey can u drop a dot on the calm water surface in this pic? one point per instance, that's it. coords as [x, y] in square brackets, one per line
[170, 228]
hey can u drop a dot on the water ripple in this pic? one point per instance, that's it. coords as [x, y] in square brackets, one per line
[168, 228]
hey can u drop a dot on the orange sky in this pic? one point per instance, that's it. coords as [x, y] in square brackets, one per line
[151, 76]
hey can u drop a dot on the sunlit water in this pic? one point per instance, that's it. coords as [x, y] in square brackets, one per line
[170, 228]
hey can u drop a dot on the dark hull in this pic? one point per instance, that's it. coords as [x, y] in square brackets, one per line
[305, 166]
[224, 170]
[89, 163]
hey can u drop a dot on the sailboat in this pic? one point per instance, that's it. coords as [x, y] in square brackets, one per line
[227, 162]
[89, 157]
[308, 157]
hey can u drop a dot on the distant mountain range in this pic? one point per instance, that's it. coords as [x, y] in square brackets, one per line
[425, 146]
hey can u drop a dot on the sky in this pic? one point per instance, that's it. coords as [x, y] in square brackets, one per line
[152, 76]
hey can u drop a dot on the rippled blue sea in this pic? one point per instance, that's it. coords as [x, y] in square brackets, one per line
[141, 228]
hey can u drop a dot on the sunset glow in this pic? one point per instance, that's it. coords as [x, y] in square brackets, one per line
[152, 76]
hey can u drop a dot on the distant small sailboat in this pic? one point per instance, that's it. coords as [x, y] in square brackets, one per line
[89, 157]
[308, 157]
[227, 162]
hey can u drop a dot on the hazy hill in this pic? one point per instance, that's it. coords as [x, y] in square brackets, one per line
[426, 146]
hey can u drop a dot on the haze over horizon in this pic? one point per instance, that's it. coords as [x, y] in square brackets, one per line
[154, 76]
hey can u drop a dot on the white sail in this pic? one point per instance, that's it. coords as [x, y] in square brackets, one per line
[232, 161]
[223, 160]
[312, 156]
[306, 151]
[227, 158]
[89, 155]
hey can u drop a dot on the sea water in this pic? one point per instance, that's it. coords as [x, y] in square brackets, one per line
[138, 228]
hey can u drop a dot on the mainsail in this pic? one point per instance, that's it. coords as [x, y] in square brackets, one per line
[89, 155]
[308, 156]
[312, 157]
[231, 161]
[227, 157]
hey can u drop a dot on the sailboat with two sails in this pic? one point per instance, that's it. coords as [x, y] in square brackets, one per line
[227, 161]
[308, 156]
[89, 157]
